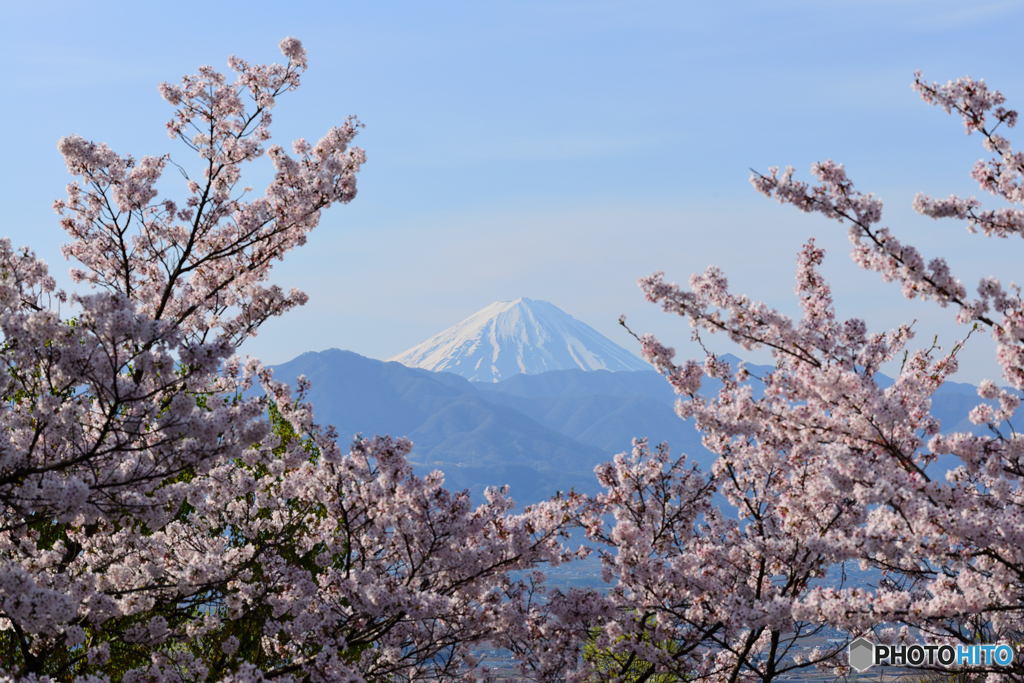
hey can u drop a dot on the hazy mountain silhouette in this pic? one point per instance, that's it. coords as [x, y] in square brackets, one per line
[538, 433]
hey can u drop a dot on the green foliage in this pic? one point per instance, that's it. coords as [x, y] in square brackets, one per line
[627, 668]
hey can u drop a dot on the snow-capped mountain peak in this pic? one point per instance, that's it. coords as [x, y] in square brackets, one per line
[523, 336]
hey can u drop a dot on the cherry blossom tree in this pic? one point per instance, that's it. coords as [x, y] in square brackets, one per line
[826, 464]
[951, 549]
[822, 463]
[159, 526]
[696, 594]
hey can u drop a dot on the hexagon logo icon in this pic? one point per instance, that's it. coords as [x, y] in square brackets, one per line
[862, 654]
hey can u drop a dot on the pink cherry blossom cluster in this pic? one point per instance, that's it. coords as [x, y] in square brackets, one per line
[202, 266]
[1002, 177]
[825, 465]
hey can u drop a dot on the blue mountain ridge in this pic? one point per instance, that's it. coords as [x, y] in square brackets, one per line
[537, 433]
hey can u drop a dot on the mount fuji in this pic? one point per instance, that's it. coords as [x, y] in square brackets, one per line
[525, 336]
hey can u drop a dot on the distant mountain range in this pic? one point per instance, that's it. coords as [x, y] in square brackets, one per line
[538, 433]
[525, 336]
[522, 393]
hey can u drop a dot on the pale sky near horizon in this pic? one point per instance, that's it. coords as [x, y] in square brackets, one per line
[553, 150]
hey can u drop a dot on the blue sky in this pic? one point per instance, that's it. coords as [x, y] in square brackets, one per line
[554, 150]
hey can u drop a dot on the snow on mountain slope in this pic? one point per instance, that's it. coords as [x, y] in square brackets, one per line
[525, 336]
